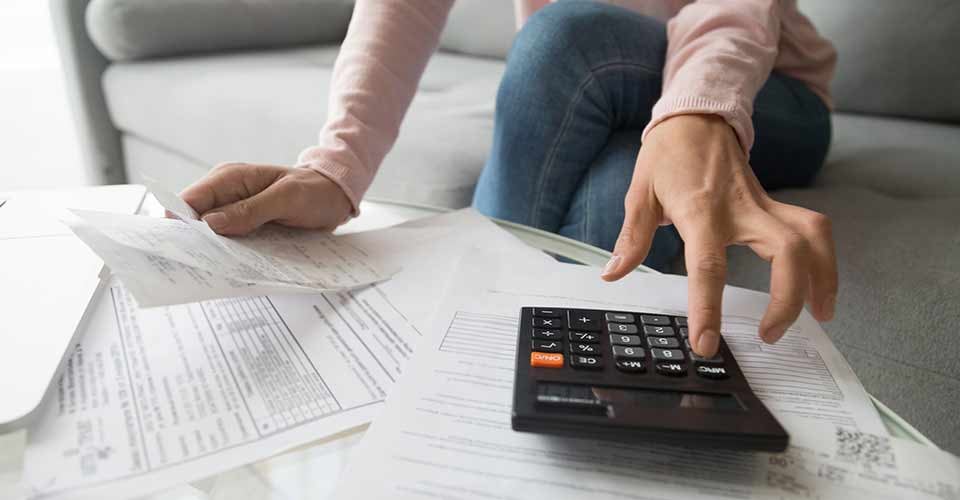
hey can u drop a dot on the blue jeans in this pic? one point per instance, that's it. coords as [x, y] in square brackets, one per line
[580, 82]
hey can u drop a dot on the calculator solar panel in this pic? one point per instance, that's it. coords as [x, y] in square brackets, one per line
[631, 376]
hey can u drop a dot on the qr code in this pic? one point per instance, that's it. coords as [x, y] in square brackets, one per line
[865, 449]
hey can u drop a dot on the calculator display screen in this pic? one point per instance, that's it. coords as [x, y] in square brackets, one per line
[618, 397]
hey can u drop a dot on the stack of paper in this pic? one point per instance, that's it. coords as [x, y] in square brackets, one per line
[156, 397]
[445, 432]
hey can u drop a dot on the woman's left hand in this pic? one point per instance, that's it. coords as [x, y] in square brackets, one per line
[692, 172]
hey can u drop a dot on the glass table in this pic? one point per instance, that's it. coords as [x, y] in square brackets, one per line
[312, 470]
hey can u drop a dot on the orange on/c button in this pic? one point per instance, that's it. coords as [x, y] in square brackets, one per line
[546, 360]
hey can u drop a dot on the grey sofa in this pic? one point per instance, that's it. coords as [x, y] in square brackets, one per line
[171, 88]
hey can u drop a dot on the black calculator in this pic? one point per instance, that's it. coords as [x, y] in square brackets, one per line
[631, 376]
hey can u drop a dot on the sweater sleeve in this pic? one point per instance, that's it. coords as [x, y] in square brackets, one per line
[719, 54]
[375, 76]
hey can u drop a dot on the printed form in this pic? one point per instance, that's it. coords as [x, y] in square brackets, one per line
[151, 398]
[164, 261]
[445, 432]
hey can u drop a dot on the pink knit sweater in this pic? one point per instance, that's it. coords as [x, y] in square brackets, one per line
[719, 54]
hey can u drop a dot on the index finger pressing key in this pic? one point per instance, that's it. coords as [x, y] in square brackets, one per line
[706, 271]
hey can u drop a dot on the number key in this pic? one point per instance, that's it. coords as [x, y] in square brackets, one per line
[664, 342]
[660, 331]
[624, 352]
[667, 354]
[621, 328]
[629, 340]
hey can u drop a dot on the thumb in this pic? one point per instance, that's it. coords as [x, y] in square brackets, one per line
[243, 216]
[641, 218]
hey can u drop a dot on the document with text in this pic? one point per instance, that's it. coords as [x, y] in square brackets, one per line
[155, 397]
[176, 260]
[445, 432]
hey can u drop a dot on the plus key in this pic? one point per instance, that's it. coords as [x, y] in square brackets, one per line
[584, 320]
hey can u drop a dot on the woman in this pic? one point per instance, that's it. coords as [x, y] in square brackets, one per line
[594, 95]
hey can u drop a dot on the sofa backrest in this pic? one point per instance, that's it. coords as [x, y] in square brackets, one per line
[126, 30]
[896, 57]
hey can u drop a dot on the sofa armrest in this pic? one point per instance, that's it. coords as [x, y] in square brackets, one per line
[83, 67]
[126, 30]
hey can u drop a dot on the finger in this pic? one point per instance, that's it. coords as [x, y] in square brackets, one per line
[789, 279]
[243, 216]
[816, 227]
[706, 261]
[228, 183]
[641, 219]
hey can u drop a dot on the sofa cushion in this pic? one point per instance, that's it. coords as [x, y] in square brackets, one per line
[125, 30]
[895, 58]
[897, 313]
[267, 106]
[900, 158]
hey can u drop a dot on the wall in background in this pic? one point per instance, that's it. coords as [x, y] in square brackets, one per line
[38, 144]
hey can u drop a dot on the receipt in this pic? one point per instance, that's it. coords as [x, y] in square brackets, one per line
[170, 261]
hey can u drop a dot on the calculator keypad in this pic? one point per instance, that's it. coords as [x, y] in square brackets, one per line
[659, 331]
[547, 323]
[624, 352]
[586, 362]
[588, 337]
[633, 340]
[575, 338]
[631, 366]
[547, 346]
[545, 334]
[585, 320]
[663, 342]
[621, 328]
[588, 349]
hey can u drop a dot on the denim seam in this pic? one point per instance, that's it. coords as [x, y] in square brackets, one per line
[551, 156]
[586, 209]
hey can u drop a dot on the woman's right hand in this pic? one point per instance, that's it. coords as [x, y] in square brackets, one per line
[236, 198]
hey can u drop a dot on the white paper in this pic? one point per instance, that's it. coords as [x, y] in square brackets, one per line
[151, 398]
[169, 261]
[445, 432]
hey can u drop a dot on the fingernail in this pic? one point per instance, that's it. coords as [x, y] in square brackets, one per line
[216, 220]
[612, 265]
[773, 334]
[708, 342]
[829, 306]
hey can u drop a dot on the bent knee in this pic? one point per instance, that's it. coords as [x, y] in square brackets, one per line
[576, 33]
